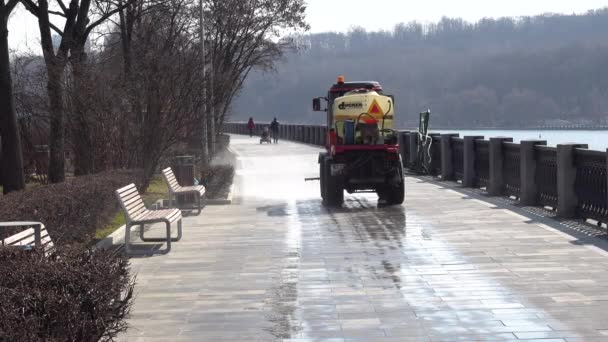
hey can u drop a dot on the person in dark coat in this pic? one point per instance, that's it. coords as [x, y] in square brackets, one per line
[251, 126]
[274, 128]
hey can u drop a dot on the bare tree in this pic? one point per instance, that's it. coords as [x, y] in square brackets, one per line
[11, 168]
[162, 61]
[77, 25]
[245, 35]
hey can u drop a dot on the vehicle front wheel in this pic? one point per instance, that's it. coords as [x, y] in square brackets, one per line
[334, 189]
[322, 178]
[393, 194]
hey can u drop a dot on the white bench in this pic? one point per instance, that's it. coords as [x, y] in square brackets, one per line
[175, 189]
[136, 214]
[34, 236]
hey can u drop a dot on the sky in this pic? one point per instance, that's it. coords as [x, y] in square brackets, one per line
[342, 15]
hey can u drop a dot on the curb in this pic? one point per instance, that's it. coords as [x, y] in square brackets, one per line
[226, 201]
[116, 238]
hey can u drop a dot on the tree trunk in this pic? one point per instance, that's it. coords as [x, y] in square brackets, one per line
[82, 141]
[11, 169]
[57, 134]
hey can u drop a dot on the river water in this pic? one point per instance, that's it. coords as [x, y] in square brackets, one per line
[597, 140]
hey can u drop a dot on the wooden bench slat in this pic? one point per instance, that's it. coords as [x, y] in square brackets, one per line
[19, 236]
[169, 214]
[28, 238]
[138, 212]
[134, 204]
[130, 196]
[132, 200]
[126, 190]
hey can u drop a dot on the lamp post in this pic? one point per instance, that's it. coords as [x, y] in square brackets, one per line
[204, 114]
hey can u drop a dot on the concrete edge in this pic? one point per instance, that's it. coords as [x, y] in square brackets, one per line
[116, 238]
[226, 201]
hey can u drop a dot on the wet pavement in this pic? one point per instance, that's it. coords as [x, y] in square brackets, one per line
[277, 265]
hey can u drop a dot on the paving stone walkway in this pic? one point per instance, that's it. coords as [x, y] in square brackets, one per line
[277, 265]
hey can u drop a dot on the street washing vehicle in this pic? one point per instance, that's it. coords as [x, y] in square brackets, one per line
[362, 150]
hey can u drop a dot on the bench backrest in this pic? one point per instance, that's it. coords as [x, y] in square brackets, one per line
[27, 238]
[130, 201]
[172, 182]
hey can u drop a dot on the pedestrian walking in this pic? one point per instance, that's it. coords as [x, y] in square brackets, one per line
[274, 128]
[251, 127]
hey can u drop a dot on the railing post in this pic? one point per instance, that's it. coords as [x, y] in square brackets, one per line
[496, 181]
[468, 176]
[309, 135]
[447, 165]
[324, 133]
[528, 188]
[320, 135]
[566, 178]
[413, 149]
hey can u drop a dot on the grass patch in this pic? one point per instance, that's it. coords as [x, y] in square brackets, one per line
[156, 190]
[117, 221]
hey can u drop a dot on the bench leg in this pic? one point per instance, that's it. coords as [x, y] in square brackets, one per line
[168, 249]
[179, 233]
[179, 230]
[199, 200]
[170, 199]
[127, 237]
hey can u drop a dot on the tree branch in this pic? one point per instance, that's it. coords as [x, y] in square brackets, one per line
[62, 5]
[31, 6]
[104, 18]
[11, 5]
[61, 14]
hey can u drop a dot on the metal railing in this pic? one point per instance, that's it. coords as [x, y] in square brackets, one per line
[546, 175]
[482, 163]
[435, 163]
[458, 158]
[511, 169]
[590, 185]
[572, 181]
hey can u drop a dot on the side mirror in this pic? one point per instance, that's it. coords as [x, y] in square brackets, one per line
[316, 104]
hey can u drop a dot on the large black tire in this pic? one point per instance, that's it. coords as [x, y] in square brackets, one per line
[322, 177]
[396, 194]
[334, 189]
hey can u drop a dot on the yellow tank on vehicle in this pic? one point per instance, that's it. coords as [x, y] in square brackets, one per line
[364, 106]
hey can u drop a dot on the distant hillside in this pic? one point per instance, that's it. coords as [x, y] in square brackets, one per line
[496, 72]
